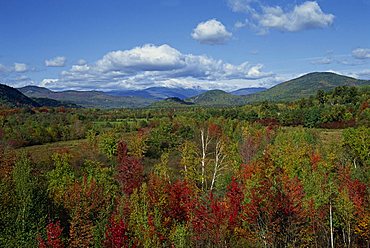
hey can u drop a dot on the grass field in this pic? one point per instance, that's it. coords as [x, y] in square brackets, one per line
[330, 136]
[43, 153]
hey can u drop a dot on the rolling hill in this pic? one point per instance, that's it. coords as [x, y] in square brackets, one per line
[247, 91]
[305, 86]
[88, 99]
[11, 97]
[217, 98]
[171, 102]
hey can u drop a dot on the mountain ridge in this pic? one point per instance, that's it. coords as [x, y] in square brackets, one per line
[12, 97]
[305, 86]
[247, 91]
[159, 93]
[291, 90]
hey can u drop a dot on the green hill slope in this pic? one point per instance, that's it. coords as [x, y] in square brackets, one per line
[11, 97]
[171, 102]
[306, 86]
[217, 98]
[47, 102]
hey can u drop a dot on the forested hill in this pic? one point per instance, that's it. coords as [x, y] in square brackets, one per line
[14, 98]
[247, 91]
[88, 99]
[305, 86]
[217, 98]
[171, 102]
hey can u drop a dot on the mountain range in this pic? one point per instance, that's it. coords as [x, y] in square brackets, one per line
[87, 99]
[294, 89]
[158, 93]
[301, 87]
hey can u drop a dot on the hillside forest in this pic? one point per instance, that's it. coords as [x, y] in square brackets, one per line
[267, 174]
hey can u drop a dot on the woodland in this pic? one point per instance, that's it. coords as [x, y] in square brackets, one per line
[289, 174]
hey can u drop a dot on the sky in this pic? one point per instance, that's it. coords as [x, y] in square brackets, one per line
[210, 44]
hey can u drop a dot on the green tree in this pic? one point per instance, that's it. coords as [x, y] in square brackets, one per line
[356, 142]
[190, 161]
[60, 178]
[24, 190]
[108, 144]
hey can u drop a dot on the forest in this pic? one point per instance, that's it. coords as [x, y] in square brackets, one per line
[269, 174]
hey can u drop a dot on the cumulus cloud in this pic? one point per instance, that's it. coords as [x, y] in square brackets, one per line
[361, 53]
[307, 15]
[80, 68]
[163, 65]
[211, 32]
[59, 61]
[145, 58]
[20, 67]
[48, 81]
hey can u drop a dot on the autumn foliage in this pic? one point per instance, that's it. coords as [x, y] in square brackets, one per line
[188, 179]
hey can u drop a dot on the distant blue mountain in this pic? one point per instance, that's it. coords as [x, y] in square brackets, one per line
[247, 91]
[158, 93]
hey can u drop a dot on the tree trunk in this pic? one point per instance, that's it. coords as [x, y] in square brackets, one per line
[205, 142]
[331, 227]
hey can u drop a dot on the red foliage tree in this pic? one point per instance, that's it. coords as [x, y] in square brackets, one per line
[116, 234]
[214, 130]
[210, 221]
[84, 200]
[274, 211]
[180, 201]
[355, 188]
[54, 233]
[234, 198]
[130, 170]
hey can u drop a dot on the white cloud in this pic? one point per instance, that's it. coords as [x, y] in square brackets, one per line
[307, 15]
[19, 81]
[363, 74]
[241, 5]
[361, 53]
[211, 32]
[20, 67]
[81, 62]
[151, 65]
[147, 58]
[59, 61]
[240, 24]
[322, 61]
[47, 81]
[80, 68]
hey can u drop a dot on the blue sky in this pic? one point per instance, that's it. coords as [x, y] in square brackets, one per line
[225, 44]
